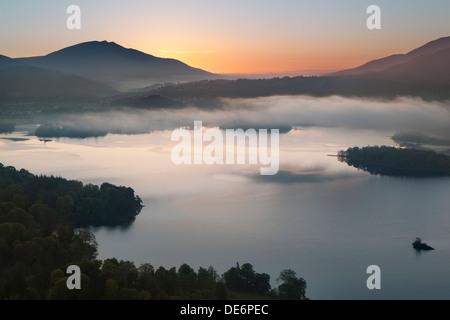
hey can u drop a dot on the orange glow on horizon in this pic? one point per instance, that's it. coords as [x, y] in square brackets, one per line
[239, 57]
[229, 63]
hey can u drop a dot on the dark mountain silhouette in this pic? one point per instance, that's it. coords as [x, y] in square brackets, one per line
[27, 83]
[115, 65]
[6, 62]
[396, 59]
[207, 94]
[431, 68]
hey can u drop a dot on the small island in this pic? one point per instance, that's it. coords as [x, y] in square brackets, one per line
[419, 245]
[392, 161]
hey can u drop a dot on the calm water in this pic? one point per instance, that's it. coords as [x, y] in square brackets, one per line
[319, 217]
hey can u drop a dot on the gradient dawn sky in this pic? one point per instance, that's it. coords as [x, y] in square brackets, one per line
[232, 36]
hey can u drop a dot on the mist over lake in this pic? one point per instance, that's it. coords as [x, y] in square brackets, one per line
[403, 114]
[318, 216]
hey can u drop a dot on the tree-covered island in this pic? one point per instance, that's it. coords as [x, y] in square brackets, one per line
[40, 198]
[392, 161]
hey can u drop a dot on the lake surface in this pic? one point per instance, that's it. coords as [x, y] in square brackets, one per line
[323, 219]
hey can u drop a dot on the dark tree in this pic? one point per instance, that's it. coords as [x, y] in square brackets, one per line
[245, 278]
[292, 288]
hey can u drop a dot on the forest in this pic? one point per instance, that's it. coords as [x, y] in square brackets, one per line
[392, 161]
[40, 236]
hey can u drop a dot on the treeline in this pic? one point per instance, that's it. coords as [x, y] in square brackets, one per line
[122, 280]
[39, 240]
[207, 90]
[393, 161]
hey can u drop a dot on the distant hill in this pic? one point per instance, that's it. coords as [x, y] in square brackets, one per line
[6, 62]
[206, 93]
[397, 59]
[117, 66]
[25, 83]
[429, 68]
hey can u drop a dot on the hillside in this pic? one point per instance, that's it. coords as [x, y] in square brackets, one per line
[25, 83]
[397, 59]
[6, 62]
[430, 68]
[202, 93]
[117, 66]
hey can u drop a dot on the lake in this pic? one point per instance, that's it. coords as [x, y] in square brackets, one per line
[323, 219]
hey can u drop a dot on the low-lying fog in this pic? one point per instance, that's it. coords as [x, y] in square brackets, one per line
[282, 112]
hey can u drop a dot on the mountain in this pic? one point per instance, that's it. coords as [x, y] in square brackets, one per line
[6, 62]
[117, 66]
[430, 68]
[26, 83]
[397, 59]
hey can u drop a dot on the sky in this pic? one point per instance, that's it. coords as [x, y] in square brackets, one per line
[233, 36]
